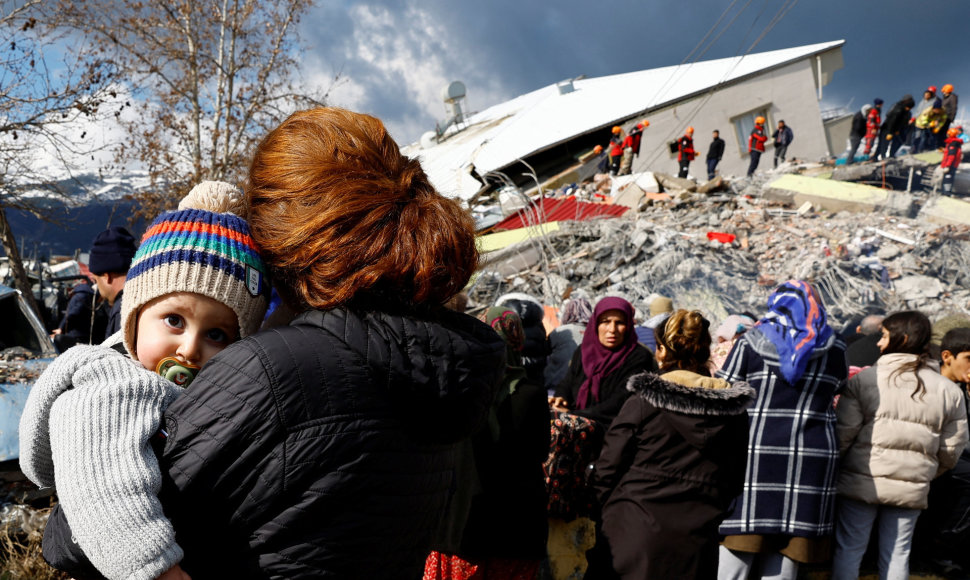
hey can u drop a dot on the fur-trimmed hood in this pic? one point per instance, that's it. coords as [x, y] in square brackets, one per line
[692, 394]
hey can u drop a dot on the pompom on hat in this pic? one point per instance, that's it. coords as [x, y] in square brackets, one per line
[203, 247]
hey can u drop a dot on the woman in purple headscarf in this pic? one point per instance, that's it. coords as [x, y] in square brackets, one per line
[595, 384]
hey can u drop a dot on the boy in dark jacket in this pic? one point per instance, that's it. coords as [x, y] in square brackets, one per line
[181, 308]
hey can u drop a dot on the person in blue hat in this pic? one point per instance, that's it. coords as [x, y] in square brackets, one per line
[109, 260]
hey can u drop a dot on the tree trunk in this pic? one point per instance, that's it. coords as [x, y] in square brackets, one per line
[21, 281]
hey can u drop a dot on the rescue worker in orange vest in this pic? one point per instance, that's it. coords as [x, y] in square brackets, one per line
[636, 134]
[616, 150]
[685, 151]
[756, 144]
[952, 155]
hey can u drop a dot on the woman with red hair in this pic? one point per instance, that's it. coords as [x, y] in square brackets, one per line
[325, 447]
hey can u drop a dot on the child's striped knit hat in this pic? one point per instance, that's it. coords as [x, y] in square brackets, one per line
[202, 247]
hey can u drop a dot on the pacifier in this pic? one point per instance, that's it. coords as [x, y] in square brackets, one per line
[178, 372]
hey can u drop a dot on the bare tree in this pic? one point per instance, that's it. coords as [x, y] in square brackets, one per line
[41, 99]
[209, 77]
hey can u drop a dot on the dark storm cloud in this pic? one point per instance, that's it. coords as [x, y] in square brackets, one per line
[395, 57]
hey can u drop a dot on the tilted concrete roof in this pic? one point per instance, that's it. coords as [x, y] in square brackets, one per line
[498, 136]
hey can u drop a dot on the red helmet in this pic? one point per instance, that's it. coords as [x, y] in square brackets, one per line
[931, 89]
[953, 132]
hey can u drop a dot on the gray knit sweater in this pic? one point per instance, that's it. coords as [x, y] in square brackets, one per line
[85, 430]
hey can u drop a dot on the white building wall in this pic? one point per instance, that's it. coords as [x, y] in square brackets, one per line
[789, 93]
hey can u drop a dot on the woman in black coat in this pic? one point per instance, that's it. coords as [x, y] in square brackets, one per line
[326, 447]
[595, 384]
[672, 462]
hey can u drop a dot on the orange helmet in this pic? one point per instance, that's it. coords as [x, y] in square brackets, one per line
[690, 130]
[598, 149]
[953, 132]
[947, 89]
[645, 123]
[616, 130]
[759, 120]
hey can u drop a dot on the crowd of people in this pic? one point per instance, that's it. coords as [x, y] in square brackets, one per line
[293, 388]
[928, 127]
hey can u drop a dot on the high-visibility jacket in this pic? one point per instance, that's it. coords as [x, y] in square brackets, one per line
[685, 149]
[756, 141]
[616, 146]
[952, 152]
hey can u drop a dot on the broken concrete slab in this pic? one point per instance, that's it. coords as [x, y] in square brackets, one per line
[837, 196]
[941, 209]
[915, 288]
[716, 184]
[630, 196]
[669, 182]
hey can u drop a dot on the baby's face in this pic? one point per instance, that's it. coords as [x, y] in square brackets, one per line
[184, 325]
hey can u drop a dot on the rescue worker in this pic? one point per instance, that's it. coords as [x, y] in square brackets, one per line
[950, 106]
[873, 122]
[952, 155]
[858, 132]
[616, 150]
[685, 151]
[756, 144]
[714, 154]
[892, 133]
[633, 138]
[928, 127]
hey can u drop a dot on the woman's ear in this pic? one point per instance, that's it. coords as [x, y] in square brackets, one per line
[661, 352]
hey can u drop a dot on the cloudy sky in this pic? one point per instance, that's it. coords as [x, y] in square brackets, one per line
[394, 57]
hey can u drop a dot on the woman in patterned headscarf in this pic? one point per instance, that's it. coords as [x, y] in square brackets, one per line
[795, 363]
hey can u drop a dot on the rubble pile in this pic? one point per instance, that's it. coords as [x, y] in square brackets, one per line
[13, 366]
[724, 253]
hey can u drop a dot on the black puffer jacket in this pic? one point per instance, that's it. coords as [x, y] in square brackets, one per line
[325, 449]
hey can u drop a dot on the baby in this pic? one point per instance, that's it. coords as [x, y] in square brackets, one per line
[195, 285]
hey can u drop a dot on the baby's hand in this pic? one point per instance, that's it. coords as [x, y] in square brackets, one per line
[175, 573]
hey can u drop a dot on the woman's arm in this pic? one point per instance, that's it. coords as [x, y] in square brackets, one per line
[849, 414]
[619, 447]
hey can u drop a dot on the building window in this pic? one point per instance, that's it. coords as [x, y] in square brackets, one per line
[744, 124]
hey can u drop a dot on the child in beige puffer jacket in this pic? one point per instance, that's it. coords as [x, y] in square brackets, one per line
[900, 424]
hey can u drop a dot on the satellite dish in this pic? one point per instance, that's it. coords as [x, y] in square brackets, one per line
[429, 140]
[453, 92]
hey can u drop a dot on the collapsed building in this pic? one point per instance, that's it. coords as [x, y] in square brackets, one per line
[871, 236]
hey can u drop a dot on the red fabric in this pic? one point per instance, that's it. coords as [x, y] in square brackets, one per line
[952, 152]
[685, 148]
[756, 142]
[721, 237]
[440, 566]
[549, 209]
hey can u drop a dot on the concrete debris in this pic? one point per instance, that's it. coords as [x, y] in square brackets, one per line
[858, 254]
